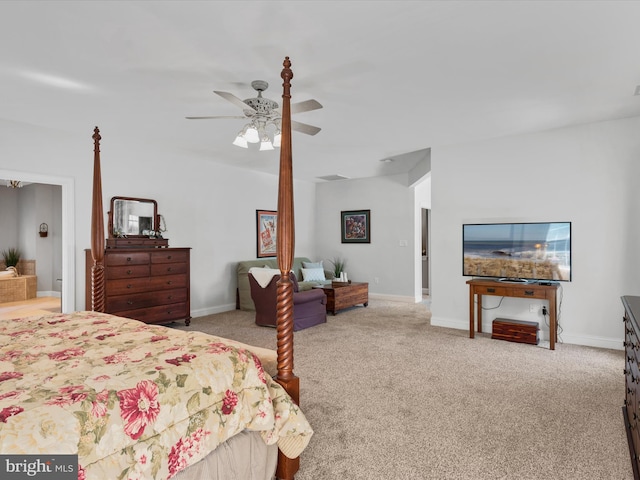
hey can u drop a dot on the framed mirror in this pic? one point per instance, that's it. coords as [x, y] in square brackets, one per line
[133, 217]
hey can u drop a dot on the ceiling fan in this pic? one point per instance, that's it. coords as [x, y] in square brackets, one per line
[263, 113]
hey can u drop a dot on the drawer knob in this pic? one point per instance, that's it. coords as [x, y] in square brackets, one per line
[169, 297]
[129, 302]
[128, 259]
[129, 286]
[128, 272]
[169, 257]
[491, 290]
[169, 269]
[528, 292]
[169, 282]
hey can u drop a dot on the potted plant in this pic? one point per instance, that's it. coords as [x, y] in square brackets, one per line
[11, 257]
[338, 266]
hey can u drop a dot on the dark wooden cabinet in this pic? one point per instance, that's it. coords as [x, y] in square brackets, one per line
[147, 284]
[630, 410]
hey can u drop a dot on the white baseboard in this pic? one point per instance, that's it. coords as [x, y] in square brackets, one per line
[201, 312]
[591, 341]
[584, 340]
[392, 298]
[49, 294]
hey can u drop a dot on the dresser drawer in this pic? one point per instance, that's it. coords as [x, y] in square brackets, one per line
[127, 271]
[122, 303]
[168, 268]
[126, 258]
[126, 286]
[158, 314]
[166, 282]
[169, 256]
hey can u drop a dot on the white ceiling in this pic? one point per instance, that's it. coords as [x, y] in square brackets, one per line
[394, 77]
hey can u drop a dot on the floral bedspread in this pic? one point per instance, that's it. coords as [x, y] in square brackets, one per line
[134, 401]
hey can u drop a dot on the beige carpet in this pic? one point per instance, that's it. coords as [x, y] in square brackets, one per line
[391, 397]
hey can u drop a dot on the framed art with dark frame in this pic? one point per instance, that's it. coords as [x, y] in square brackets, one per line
[266, 233]
[355, 226]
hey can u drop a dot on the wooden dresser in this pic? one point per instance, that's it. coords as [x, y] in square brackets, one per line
[630, 410]
[150, 284]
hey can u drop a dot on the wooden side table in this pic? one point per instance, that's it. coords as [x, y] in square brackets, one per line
[345, 295]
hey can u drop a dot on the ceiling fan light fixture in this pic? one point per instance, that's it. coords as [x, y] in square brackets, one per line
[262, 115]
[277, 139]
[240, 141]
[252, 135]
[266, 144]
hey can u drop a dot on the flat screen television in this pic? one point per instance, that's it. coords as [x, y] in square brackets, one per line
[539, 251]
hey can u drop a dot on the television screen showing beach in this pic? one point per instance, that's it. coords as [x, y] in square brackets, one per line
[531, 251]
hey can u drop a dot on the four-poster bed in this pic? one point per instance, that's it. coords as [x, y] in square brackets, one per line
[150, 402]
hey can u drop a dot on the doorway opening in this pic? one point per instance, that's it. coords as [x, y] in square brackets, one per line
[425, 222]
[68, 228]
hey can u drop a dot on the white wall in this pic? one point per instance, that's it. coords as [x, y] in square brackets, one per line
[391, 203]
[586, 175]
[207, 206]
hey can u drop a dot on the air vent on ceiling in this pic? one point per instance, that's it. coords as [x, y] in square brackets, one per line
[331, 178]
[637, 92]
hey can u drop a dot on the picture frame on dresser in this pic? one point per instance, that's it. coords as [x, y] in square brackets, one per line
[266, 233]
[355, 226]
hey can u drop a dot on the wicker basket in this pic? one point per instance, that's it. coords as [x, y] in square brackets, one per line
[16, 289]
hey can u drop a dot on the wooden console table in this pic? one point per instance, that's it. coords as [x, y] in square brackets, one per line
[478, 288]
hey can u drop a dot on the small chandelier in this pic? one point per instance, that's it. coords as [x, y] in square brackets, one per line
[256, 132]
[14, 184]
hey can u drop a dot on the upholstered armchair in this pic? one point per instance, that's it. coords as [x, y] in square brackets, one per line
[309, 306]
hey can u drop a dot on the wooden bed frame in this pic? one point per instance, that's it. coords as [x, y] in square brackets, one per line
[287, 467]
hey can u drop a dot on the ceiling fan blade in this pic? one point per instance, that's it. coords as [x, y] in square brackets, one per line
[215, 116]
[235, 100]
[305, 106]
[304, 128]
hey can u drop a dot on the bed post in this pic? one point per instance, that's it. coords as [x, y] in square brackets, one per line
[97, 231]
[287, 467]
